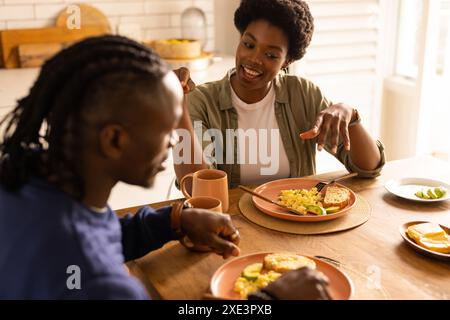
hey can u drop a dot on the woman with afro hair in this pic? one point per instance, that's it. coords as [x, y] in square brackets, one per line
[270, 122]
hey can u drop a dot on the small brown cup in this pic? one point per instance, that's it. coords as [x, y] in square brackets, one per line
[208, 183]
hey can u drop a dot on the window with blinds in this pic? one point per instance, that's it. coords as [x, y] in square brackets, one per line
[342, 57]
[342, 60]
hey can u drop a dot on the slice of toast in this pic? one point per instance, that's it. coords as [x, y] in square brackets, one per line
[284, 262]
[336, 197]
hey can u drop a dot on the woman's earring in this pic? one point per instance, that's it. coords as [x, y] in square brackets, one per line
[285, 67]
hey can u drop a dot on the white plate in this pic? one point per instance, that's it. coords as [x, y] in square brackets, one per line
[407, 187]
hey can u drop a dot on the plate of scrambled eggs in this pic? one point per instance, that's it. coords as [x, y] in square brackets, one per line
[299, 193]
[429, 238]
[241, 276]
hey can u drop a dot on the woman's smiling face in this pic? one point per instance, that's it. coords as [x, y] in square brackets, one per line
[261, 54]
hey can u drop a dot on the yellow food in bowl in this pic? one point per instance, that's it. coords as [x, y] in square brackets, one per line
[299, 199]
[177, 48]
[177, 41]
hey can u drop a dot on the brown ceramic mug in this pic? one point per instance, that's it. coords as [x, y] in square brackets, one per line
[207, 183]
[208, 203]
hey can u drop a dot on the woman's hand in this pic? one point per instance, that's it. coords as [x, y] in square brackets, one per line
[185, 79]
[301, 284]
[331, 124]
[211, 231]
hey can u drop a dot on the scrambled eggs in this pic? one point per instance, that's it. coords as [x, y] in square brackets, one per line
[298, 199]
[245, 286]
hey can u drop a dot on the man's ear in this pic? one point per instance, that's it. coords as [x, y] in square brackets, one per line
[112, 140]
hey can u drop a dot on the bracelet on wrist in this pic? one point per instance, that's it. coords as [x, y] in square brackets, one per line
[175, 219]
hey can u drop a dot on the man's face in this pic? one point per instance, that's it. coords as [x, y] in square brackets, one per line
[151, 134]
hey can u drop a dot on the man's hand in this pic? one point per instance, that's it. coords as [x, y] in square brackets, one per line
[185, 79]
[331, 124]
[301, 284]
[211, 230]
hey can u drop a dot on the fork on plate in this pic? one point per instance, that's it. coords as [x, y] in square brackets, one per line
[322, 185]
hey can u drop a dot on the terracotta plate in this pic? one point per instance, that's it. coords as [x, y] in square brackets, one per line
[222, 282]
[273, 189]
[418, 248]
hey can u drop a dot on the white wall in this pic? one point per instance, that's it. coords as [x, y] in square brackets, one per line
[158, 19]
[226, 35]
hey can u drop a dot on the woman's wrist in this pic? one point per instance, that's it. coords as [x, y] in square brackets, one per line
[355, 119]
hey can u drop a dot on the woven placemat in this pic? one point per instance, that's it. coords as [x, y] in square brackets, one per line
[356, 217]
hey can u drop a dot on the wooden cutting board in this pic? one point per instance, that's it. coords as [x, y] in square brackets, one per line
[31, 47]
[89, 16]
[12, 39]
[34, 55]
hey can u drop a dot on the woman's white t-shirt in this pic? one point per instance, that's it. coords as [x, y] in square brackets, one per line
[261, 151]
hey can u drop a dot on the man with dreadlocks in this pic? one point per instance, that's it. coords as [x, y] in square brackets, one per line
[101, 111]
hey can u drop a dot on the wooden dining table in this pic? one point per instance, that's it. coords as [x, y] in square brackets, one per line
[374, 255]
